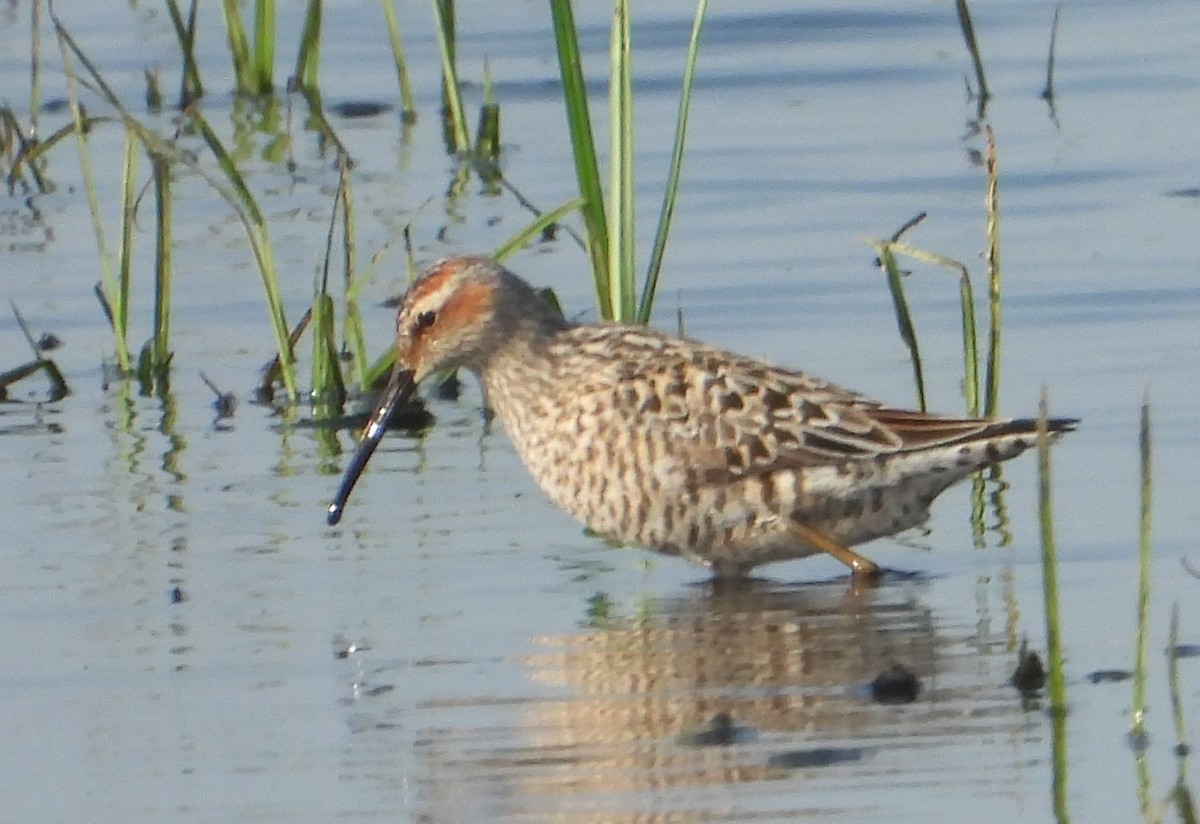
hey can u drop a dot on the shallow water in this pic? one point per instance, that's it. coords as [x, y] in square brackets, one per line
[185, 638]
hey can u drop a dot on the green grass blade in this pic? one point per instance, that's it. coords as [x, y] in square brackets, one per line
[352, 317]
[968, 32]
[154, 100]
[35, 65]
[161, 350]
[970, 344]
[534, 229]
[260, 245]
[1138, 712]
[587, 171]
[408, 111]
[89, 185]
[308, 57]
[447, 20]
[328, 391]
[191, 88]
[239, 47]
[225, 161]
[1060, 767]
[1056, 678]
[443, 15]
[355, 339]
[10, 137]
[658, 250]
[264, 46]
[887, 261]
[992, 208]
[622, 217]
[487, 134]
[192, 84]
[966, 294]
[120, 302]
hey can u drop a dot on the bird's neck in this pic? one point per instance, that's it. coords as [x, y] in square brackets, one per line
[517, 368]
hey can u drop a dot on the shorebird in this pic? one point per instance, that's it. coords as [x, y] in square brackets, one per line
[675, 446]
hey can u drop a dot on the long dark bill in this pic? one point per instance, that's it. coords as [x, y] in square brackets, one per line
[399, 389]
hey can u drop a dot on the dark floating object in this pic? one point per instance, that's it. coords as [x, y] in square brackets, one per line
[48, 342]
[346, 650]
[177, 596]
[1109, 676]
[1030, 674]
[720, 731]
[226, 402]
[816, 757]
[353, 109]
[896, 685]
[1184, 651]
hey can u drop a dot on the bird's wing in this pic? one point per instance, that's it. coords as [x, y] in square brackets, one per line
[732, 416]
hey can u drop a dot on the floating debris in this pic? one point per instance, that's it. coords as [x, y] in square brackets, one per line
[816, 757]
[1030, 674]
[226, 402]
[1184, 651]
[896, 685]
[720, 731]
[1109, 676]
[354, 109]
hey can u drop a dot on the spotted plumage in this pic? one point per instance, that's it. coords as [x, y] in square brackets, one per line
[677, 446]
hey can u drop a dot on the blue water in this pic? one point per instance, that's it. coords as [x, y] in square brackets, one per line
[185, 638]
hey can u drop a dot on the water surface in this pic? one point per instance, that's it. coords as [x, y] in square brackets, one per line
[186, 639]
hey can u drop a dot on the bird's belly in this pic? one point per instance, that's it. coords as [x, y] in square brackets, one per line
[616, 485]
[639, 492]
[652, 506]
[602, 486]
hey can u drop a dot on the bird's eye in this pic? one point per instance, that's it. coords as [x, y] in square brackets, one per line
[425, 320]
